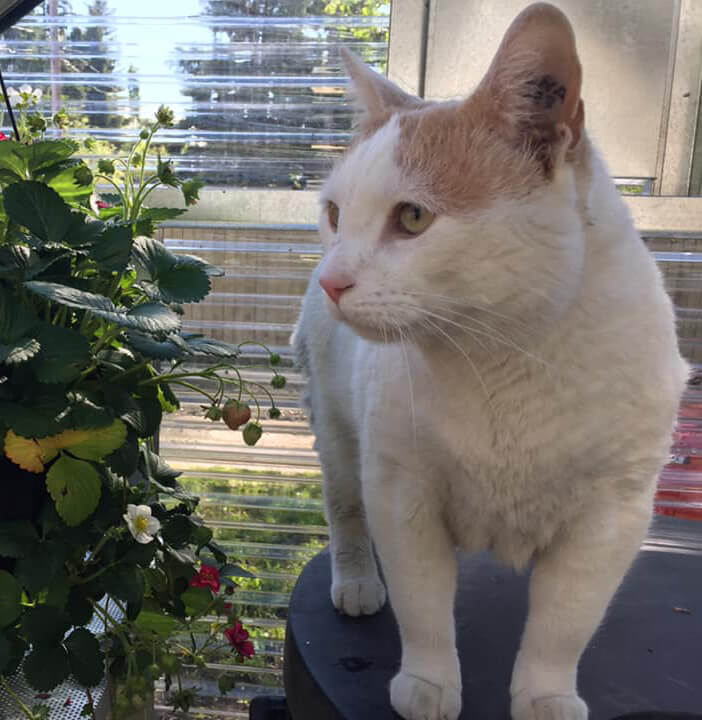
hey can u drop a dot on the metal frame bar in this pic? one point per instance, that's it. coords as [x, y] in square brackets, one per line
[225, 208]
[407, 50]
[680, 116]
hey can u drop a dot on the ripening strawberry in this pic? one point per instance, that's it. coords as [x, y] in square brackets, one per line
[235, 413]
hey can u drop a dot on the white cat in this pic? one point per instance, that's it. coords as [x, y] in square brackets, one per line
[493, 364]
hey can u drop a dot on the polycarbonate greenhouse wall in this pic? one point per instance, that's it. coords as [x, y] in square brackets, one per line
[258, 92]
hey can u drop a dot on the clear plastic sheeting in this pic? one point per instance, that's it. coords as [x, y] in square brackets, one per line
[257, 88]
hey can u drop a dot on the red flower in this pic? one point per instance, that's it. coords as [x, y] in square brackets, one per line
[101, 204]
[207, 577]
[3, 137]
[238, 638]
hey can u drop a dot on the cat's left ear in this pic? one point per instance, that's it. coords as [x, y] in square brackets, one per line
[373, 92]
[535, 79]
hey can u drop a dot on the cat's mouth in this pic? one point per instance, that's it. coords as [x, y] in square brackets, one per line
[377, 324]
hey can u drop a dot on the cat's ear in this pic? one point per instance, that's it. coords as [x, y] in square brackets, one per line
[375, 95]
[535, 79]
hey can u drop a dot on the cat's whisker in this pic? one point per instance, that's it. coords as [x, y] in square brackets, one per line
[468, 303]
[472, 365]
[491, 333]
[411, 387]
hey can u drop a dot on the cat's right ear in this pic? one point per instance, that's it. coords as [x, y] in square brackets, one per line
[534, 82]
[373, 93]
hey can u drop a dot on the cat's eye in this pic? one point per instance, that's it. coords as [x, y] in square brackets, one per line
[333, 215]
[414, 219]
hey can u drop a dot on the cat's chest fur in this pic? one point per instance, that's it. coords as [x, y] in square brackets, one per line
[513, 448]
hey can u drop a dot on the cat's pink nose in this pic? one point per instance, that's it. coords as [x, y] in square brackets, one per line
[334, 284]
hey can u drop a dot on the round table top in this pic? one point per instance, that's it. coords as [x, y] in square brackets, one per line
[647, 656]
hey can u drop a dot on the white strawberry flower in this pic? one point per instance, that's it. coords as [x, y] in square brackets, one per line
[141, 524]
[36, 95]
[14, 97]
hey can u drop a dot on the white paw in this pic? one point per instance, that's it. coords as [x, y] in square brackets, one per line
[359, 595]
[417, 699]
[551, 707]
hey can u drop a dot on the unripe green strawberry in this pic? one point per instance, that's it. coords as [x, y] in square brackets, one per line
[274, 413]
[278, 382]
[235, 413]
[274, 359]
[213, 413]
[252, 433]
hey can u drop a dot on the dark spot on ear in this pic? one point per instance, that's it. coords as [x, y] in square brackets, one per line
[546, 91]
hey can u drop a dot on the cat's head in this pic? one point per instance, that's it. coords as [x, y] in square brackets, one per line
[443, 212]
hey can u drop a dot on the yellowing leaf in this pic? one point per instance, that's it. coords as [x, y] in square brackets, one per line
[33, 454]
[99, 442]
[28, 453]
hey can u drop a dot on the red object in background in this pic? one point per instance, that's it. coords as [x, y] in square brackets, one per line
[680, 484]
[3, 136]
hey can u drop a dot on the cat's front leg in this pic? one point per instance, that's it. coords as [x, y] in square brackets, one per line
[572, 583]
[356, 585]
[419, 565]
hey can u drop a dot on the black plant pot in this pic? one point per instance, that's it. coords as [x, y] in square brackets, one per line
[24, 502]
[656, 715]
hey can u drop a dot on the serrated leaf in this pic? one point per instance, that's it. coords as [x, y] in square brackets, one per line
[151, 317]
[62, 179]
[196, 600]
[45, 625]
[152, 348]
[199, 345]
[75, 488]
[84, 233]
[35, 416]
[58, 591]
[113, 248]
[10, 599]
[156, 468]
[64, 353]
[19, 352]
[176, 530]
[44, 154]
[232, 570]
[147, 421]
[84, 414]
[154, 317]
[17, 537]
[33, 454]
[18, 649]
[37, 569]
[39, 208]
[124, 459]
[13, 161]
[126, 582]
[160, 214]
[85, 657]
[46, 667]
[166, 276]
[100, 442]
[78, 607]
[157, 623]
[16, 320]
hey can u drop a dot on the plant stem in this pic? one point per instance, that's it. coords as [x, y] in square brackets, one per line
[25, 710]
[89, 695]
[116, 187]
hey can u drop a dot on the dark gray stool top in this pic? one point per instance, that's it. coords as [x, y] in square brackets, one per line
[646, 657]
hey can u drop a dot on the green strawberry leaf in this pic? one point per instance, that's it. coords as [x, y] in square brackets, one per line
[46, 667]
[85, 657]
[75, 487]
